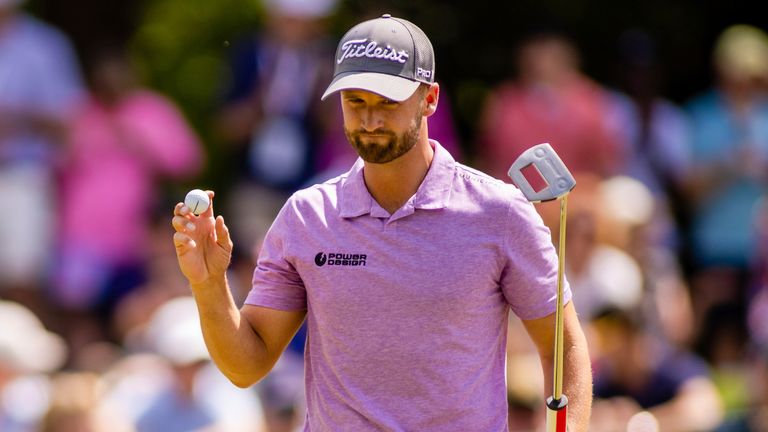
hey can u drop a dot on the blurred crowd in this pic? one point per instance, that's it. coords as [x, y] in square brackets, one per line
[667, 229]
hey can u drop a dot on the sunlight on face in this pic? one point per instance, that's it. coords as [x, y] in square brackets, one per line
[384, 143]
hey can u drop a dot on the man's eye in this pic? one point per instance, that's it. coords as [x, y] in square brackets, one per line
[389, 102]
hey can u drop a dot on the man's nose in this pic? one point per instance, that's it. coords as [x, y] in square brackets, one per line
[372, 119]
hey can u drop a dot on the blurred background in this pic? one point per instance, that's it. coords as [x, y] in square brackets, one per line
[111, 111]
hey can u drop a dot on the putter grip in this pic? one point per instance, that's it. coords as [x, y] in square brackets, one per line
[557, 414]
[550, 166]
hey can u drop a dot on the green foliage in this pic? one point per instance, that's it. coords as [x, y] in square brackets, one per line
[181, 48]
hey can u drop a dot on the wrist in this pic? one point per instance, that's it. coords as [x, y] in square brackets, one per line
[211, 284]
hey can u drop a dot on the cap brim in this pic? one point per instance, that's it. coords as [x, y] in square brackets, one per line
[390, 86]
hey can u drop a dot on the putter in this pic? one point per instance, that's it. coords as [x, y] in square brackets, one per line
[558, 183]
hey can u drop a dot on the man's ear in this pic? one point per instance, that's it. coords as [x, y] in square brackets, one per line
[431, 99]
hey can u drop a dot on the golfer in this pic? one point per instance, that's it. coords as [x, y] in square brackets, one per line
[405, 268]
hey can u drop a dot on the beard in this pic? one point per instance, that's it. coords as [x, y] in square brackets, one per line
[387, 146]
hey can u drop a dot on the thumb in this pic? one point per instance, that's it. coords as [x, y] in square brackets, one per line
[222, 234]
[209, 211]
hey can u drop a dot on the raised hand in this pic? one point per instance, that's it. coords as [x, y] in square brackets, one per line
[203, 244]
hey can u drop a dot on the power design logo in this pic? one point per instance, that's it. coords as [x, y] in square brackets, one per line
[340, 259]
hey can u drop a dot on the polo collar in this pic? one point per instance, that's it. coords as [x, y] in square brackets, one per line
[432, 194]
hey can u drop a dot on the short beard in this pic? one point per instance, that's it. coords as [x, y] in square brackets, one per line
[394, 147]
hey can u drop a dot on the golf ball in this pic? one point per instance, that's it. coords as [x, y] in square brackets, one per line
[197, 201]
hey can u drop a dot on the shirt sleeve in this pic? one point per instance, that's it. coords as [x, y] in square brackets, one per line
[529, 277]
[276, 283]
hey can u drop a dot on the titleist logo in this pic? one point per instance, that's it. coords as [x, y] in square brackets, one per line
[363, 48]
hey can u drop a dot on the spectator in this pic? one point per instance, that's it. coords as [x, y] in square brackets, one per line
[655, 130]
[724, 343]
[729, 152]
[755, 417]
[125, 141]
[601, 275]
[635, 373]
[550, 101]
[272, 107]
[27, 352]
[76, 406]
[133, 313]
[39, 85]
[197, 396]
[630, 223]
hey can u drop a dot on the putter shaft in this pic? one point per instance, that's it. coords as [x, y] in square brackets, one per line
[558, 372]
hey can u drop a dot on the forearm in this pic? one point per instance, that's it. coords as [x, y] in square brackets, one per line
[238, 350]
[15, 121]
[577, 380]
[577, 385]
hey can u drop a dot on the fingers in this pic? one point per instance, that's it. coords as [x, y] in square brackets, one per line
[182, 224]
[183, 218]
[183, 243]
[185, 223]
[209, 211]
[180, 210]
[222, 234]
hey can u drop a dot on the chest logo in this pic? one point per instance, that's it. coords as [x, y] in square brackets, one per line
[340, 259]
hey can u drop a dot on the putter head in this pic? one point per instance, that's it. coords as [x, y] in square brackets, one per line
[549, 166]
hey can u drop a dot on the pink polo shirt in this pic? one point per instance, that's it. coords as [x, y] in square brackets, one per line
[407, 313]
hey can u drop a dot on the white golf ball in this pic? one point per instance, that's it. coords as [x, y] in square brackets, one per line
[197, 201]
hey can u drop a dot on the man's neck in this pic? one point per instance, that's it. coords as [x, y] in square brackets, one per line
[392, 184]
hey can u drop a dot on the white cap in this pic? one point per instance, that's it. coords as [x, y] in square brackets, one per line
[627, 200]
[25, 345]
[616, 278]
[174, 332]
[742, 51]
[388, 56]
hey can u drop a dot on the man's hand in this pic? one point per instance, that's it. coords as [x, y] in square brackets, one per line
[203, 244]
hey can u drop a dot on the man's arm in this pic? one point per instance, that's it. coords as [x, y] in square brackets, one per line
[577, 368]
[13, 122]
[244, 344]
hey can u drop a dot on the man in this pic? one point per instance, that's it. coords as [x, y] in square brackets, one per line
[405, 268]
[550, 100]
[39, 86]
[28, 353]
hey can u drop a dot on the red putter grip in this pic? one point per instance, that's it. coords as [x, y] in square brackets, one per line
[562, 417]
[557, 414]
